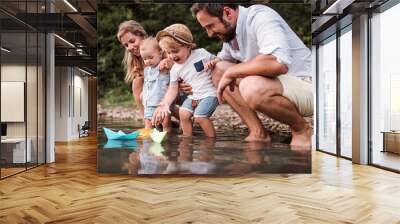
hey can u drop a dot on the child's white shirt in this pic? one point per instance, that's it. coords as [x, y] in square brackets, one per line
[200, 81]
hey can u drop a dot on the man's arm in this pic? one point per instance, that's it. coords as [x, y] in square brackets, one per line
[263, 65]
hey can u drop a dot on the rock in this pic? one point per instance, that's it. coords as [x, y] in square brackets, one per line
[224, 118]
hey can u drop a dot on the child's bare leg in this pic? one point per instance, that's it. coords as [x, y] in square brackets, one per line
[175, 111]
[167, 124]
[147, 123]
[207, 125]
[186, 122]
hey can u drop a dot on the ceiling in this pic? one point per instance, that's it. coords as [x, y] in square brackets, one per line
[74, 22]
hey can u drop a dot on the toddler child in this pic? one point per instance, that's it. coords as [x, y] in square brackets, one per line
[177, 41]
[155, 82]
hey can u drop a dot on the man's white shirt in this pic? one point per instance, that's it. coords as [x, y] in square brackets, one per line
[261, 30]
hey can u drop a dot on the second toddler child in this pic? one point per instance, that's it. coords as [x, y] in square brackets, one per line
[155, 82]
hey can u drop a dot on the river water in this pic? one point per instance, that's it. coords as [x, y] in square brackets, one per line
[227, 154]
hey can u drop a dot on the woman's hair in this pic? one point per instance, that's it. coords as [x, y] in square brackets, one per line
[133, 64]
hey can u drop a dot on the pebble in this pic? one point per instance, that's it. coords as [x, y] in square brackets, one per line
[224, 118]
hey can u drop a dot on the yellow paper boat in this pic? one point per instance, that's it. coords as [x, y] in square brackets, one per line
[145, 132]
[158, 136]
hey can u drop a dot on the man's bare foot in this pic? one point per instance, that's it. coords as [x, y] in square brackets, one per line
[259, 137]
[302, 138]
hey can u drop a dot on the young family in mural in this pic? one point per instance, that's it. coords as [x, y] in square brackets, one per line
[259, 68]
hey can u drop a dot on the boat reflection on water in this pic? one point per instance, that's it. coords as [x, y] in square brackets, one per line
[117, 144]
[225, 155]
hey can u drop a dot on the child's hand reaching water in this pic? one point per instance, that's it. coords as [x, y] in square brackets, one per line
[159, 114]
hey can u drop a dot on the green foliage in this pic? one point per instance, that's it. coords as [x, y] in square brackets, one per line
[117, 97]
[298, 16]
[112, 90]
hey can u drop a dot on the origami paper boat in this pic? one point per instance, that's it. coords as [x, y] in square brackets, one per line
[145, 132]
[113, 144]
[156, 149]
[158, 136]
[120, 135]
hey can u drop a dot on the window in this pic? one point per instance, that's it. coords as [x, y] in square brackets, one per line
[346, 75]
[327, 95]
[385, 86]
[23, 85]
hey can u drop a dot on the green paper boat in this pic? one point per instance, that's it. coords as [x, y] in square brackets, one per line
[156, 149]
[158, 136]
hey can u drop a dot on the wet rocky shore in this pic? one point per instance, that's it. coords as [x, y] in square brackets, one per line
[224, 118]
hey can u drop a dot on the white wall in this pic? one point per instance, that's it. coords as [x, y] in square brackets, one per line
[16, 73]
[11, 73]
[33, 126]
[61, 104]
[80, 111]
[71, 102]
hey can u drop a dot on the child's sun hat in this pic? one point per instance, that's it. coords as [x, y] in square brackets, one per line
[178, 32]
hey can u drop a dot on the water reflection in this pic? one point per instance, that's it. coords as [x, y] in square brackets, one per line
[225, 155]
[147, 159]
[116, 144]
[192, 160]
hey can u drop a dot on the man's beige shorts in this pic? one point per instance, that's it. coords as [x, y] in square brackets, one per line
[299, 92]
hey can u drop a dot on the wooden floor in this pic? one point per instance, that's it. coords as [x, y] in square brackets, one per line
[387, 159]
[70, 191]
[10, 171]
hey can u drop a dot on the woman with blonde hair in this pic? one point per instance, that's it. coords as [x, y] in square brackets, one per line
[130, 35]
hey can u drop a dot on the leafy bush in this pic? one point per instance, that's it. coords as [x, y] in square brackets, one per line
[112, 90]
